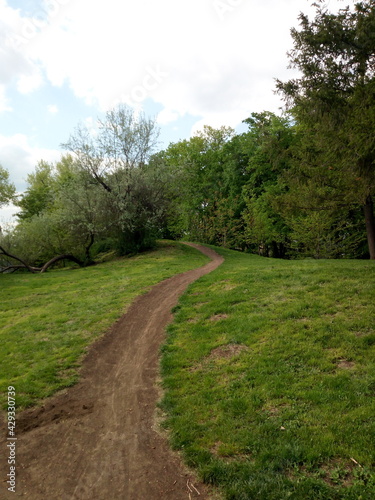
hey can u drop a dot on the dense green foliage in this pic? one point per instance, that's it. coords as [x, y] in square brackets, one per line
[334, 101]
[252, 192]
[102, 196]
[7, 189]
[269, 378]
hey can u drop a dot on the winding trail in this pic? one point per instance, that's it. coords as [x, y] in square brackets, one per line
[98, 440]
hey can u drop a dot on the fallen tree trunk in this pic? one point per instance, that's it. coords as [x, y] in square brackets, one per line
[32, 269]
[24, 264]
[61, 257]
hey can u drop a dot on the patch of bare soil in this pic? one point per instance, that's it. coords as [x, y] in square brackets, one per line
[334, 472]
[97, 440]
[345, 364]
[227, 351]
[218, 317]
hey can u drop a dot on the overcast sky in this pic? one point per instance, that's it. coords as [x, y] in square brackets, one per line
[188, 63]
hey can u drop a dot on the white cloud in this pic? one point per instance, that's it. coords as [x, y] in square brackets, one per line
[19, 157]
[7, 219]
[4, 105]
[28, 83]
[167, 116]
[191, 57]
[204, 64]
[53, 109]
[16, 66]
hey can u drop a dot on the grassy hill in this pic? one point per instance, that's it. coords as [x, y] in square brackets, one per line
[48, 320]
[268, 368]
[269, 373]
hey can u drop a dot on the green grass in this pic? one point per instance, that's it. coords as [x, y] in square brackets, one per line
[48, 320]
[269, 378]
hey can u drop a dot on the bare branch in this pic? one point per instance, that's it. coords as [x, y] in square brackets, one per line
[7, 254]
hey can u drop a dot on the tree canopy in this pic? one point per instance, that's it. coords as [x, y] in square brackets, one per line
[333, 100]
[7, 189]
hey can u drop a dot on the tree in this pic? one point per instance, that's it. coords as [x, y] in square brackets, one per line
[208, 172]
[115, 159]
[269, 142]
[334, 100]
[62, 214]
[39, 193]
[57, 213]
[80, 208]
[7, 189]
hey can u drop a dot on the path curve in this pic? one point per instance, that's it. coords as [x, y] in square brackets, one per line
[98, 440]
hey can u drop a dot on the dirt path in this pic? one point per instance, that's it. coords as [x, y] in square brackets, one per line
[98, 440]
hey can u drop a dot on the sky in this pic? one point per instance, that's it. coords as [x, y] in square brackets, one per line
[185, 63]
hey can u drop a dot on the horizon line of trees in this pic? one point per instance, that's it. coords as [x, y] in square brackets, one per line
[301, 184]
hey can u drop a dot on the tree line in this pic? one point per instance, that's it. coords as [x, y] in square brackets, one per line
[298, 184]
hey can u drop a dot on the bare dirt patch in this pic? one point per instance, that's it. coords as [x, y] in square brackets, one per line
[363, 334]
[218, 317]
[333, 472]
[227, 351]
[97, 440]
[193, 320]
[274, 411]
[219, 451]
[345, 364]
[200, 304]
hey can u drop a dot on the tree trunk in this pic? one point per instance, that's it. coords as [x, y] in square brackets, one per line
[370, 225]
[60, 257]
[88, 248]
[276, 254]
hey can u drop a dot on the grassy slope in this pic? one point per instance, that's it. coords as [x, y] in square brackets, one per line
[47, 321]
[269, 374]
